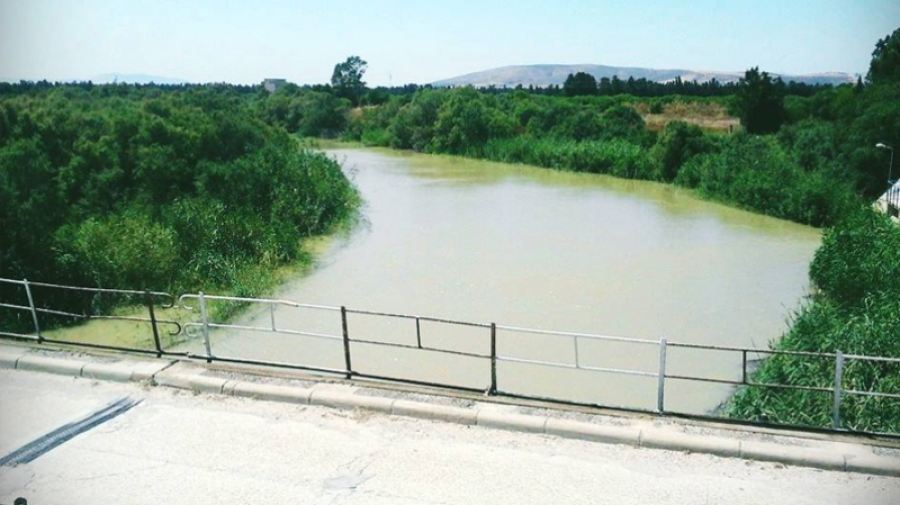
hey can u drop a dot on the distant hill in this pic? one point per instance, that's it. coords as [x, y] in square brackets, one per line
[546, 75]
[134, 79]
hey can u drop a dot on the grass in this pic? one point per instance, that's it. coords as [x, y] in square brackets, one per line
[252, 282]
[125, 333]
[710, 116]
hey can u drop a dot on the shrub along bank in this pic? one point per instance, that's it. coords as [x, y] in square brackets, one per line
[856, 311]
[792, 175]
[130, 187]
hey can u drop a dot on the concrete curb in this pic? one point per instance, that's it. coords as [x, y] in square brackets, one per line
[799, 456]
[172, 379]
[659, 439]
[341, 400]
[270, 393]
[37, 363]
[593, 432]
[167, 373]
[10, 356]
[872, 464]
[434, 412]
[107, 371]
[511, 422]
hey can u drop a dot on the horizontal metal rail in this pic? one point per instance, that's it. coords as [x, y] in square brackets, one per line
[115, 318]
[274, 364]
[18, 307]
[262, 329]
[872, 358]
[107, 347]
[261, 301]
[588, 336]
[18, 335]
[420, 318]
[132, 292]
[91, 316]
[876, 394]
[570, 366]
[777, 352]
[420, 348]
[750, 349]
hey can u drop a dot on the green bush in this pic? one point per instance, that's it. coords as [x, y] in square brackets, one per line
[757, 173]
[859, 256]
[129, 187]
[856, 312]
[678, 143]
[128, 250]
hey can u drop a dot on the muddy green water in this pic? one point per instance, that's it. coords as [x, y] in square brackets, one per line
[528, 247]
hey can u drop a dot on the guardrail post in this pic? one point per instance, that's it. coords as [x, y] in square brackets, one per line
[493, 389]
[577, 359]
[37, 327]
[272, 315]
[149, 301]
[418, 333]
[838, 378]
[346, 341]
[744, 366]
[661, 378]
[205, 316]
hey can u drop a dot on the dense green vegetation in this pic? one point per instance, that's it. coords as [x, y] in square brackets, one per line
[810, 172]
[857, 311]
[140, 188]
[189, 187]
[809, 158]
[857, 271]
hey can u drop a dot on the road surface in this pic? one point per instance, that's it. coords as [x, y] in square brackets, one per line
[177, 447]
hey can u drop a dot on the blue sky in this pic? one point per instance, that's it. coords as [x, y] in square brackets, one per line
[423, 41]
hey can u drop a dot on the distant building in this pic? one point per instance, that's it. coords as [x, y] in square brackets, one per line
[272, 84]
[889, 203]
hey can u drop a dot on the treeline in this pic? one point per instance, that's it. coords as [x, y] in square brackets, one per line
[584, 84]
[810, 171]
[144, 188]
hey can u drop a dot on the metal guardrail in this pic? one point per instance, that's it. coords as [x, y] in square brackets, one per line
[201, 328]
[148, 301]
[892, 198]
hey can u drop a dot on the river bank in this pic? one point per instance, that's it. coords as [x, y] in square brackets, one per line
[476, 241]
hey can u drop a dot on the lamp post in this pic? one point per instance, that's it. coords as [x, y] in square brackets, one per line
[890, 181]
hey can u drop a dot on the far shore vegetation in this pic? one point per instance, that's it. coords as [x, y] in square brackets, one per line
[205, 187]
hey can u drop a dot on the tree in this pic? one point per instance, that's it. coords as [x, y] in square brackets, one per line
[347, 79]
[678, 143]
[466, 120]
[579, 84]
[885, 65]
[761, 102]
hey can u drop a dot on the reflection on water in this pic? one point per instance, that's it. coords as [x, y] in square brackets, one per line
[488, 242]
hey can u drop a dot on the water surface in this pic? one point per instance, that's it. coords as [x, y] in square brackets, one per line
[523, 246]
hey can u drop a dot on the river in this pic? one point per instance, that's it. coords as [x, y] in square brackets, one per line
[528, 247]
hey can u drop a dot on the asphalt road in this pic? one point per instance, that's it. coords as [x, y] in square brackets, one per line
[181, 448]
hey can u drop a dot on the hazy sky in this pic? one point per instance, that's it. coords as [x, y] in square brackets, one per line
[423, 41]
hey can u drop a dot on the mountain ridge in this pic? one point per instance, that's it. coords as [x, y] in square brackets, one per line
[555, 74]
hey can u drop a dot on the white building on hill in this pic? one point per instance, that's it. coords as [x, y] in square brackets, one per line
[272, 84]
